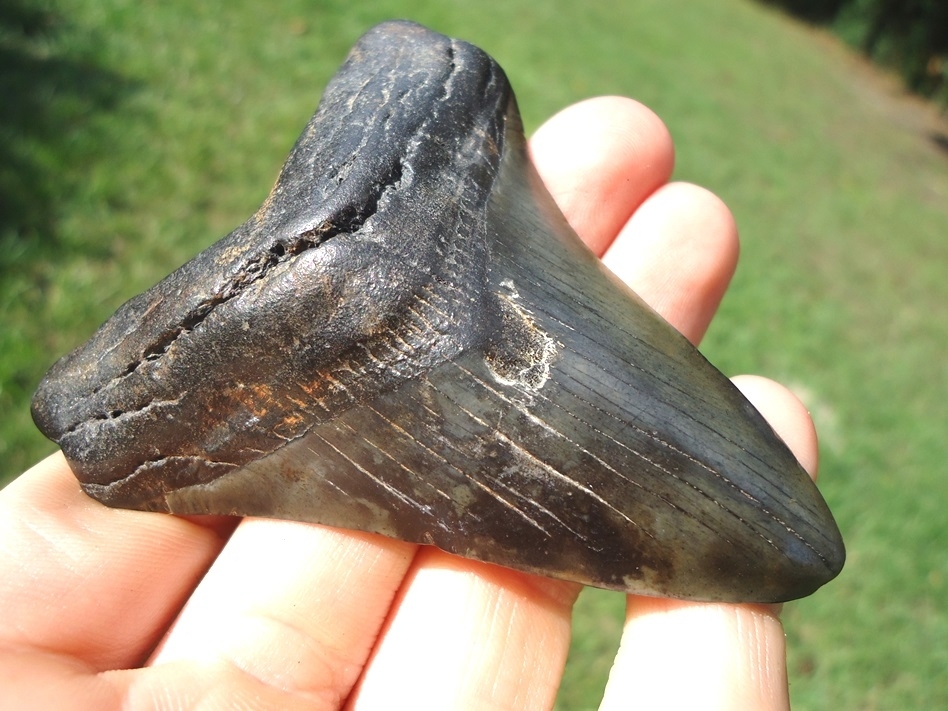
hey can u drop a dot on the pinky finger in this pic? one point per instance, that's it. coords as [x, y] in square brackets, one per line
[707, 655]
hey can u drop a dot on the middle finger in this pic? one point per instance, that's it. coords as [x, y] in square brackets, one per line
[297, 606]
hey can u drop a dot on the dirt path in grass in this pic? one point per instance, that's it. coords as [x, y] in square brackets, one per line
[886, 92]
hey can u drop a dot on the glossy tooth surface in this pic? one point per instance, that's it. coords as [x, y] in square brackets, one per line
[407, 338]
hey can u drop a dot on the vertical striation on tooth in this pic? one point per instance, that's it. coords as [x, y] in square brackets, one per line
[407, 338]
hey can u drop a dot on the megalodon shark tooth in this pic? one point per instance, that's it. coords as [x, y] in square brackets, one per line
[407, 338]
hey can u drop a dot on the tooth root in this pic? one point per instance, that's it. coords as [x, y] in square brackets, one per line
[408, 339]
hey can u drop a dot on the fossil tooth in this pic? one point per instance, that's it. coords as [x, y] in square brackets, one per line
[407, 338]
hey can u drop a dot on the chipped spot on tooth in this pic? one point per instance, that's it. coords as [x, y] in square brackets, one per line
[521, 354]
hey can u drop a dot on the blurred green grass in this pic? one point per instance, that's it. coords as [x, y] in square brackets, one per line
[133, 134]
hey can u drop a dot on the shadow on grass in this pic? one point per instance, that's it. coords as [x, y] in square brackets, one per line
[813, 11]
[50, 89]
[941, 141]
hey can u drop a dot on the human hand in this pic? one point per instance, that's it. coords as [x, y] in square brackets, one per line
[107, 608]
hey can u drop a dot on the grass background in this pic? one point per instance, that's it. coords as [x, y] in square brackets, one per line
[133, 134]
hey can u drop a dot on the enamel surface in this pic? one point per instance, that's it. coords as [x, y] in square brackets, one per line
[407, 338]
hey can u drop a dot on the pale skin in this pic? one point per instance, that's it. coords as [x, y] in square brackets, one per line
[107, 609]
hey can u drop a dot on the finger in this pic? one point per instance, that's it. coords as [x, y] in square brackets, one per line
[786, 414]
[296, 607]
[678, 655]
[711, 656]
[678, 251]
[95, 584]
[600, 159]
[470, 635]
[37, 680]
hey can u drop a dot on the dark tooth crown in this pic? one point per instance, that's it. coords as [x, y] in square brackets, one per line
[407, 338]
